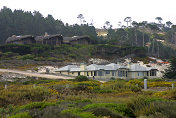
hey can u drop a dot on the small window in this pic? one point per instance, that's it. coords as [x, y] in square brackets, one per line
[78, 73]
[95, 73]
[87, 73]
[100, 73]
[107, 72]
[91, 73]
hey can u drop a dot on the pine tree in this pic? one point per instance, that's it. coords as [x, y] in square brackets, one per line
[171, 71]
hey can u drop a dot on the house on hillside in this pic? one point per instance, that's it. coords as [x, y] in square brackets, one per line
[76, 40]
[103, 72]
[26, 39]
[102, 32]
[55, 39]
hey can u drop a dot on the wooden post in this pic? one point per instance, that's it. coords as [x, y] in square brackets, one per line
[5, 86]
[145, 84]
[172, 85]
[34, 85]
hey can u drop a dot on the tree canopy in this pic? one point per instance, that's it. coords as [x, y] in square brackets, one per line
[19, 22]
[171, 72]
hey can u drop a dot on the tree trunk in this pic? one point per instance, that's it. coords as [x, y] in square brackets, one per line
[136, 36]
[143, 39]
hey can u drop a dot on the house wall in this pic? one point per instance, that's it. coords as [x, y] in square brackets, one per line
[52, 41]
[24, 41]
[133, 75]
[104, 75]
[80, 41]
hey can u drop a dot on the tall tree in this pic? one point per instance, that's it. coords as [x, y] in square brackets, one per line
[159, 19]
[81, 18]
[107, 25]
[128, 20]
[171, 72]
[169, 23]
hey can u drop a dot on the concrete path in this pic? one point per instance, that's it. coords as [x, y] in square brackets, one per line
[48, 76]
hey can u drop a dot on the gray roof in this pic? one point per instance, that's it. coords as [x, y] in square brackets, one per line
[39, 38]
[136, 67]
[67, 68]
[112, 66]
[69, 39]
[15, 38]
[92, 67]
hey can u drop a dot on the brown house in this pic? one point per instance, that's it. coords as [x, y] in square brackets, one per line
[26, 39]
[56, 39]
[76, 40]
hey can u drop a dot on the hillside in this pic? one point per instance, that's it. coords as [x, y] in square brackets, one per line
[67, 53]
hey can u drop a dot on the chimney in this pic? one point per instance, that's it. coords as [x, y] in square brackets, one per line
[129, 65]
[83, 66]
[46, 34]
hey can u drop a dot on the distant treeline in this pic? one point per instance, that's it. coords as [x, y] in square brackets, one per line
[19, 22]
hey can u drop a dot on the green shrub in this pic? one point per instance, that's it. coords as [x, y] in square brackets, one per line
[79, 113]
[39, 105]
[119, 108]
[118, 85]
[21, 115]
[106, 112]
[112, 78]
[135, 89]
[81, 78]
[142, 105]
[166, 108]
[172, 94]
[136, 82]
[27, 56]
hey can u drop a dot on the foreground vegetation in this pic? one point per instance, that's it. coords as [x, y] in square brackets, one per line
[87, 99]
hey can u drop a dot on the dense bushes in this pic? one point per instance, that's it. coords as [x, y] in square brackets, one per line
[81, 78]
[65, 52]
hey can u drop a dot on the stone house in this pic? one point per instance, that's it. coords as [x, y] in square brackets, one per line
[76, 40]
[55, 39]
[131, 71]
[26, 39]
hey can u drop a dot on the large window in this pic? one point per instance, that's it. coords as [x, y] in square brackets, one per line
[113, 73]
[121, 73]
[153, 73]
[100, 73]
[140, 74]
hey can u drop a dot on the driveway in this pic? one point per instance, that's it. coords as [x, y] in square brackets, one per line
[48, 76]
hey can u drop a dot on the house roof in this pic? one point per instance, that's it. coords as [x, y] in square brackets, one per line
[67, 68]
[15, 38]
[112, 66]
[40, 38]
[92, 67]
[69, 39]
[136, 67]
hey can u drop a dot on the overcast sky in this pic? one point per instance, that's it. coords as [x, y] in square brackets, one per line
[99, 10]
